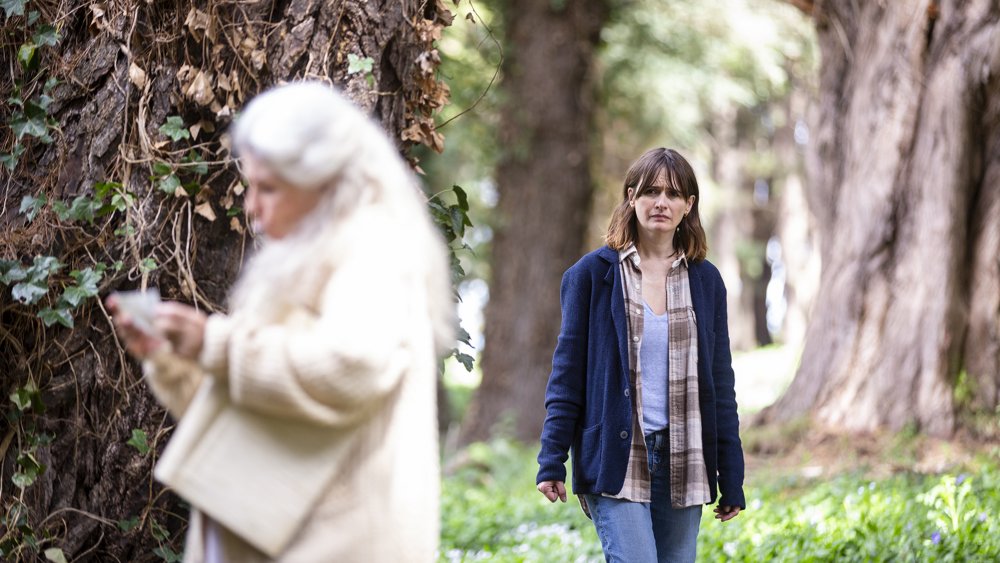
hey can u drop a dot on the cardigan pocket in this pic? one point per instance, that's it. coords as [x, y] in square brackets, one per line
[588, 459]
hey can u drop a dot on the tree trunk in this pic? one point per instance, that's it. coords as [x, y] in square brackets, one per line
[123, 69]
[905, 181]
[545, 189]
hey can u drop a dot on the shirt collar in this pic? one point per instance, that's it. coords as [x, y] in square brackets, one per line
[632, 253]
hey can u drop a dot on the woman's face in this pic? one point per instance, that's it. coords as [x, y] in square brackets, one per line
[276, 206]
[659, 207]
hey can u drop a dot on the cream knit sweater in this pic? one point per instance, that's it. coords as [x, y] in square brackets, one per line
[310, 435]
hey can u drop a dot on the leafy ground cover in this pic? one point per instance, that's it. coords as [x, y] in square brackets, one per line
[491, 512]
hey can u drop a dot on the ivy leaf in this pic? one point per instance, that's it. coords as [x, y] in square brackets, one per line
[46, 35]
[86, 286]
[122, 201]
[128, 524]
[125, 231]
[59, 315]
[157, 530]
[61, 210]
[31, 206]
[200, 167]
[21, 123]
[82, 208]
[26, 397]
[169, 183]
[10, 160]
[175, 129]
[55, 555]
[148, 265]
[36, 284]
[11, 271]
[139, 441]
[165, 553]
[27, 56]
[29, 292]
[103, 189]
[356, 64]
[464, 336]
[12, 7]
[463, 199]
[161, 169]
[30, 470]
[465, 359]
[23, 480]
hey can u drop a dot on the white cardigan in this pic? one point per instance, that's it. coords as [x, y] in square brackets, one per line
[314, 438]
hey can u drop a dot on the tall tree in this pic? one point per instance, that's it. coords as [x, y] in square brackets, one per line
[905, 183]
[545, 186]
[112, 138]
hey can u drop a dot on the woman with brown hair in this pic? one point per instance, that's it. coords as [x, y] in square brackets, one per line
[642, 385]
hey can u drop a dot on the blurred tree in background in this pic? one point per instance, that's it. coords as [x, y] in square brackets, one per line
[904, 169]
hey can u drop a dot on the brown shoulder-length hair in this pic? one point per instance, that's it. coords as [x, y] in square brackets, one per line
[690, 235]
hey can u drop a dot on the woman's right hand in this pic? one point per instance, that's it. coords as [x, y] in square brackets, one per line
[138, 343]
[553, 490]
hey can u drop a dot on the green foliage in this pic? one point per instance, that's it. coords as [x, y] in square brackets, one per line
[356, 64]
[491, 511]
[363, 65]
[55, 555]
[31, 206]
[452, 219]
[175, 129]
[12, 7]
[139, 441]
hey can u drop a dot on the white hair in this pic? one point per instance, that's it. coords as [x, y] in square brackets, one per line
[315, 139]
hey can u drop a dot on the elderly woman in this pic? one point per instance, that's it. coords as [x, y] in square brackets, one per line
[642, 387]
[307, 414]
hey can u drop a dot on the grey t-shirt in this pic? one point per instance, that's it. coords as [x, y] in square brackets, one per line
[653, 360]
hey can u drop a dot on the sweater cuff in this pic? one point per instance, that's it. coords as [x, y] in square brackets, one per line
[214, 356]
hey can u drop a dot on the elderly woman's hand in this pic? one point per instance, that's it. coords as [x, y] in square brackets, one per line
[138, 342]
[183, 326]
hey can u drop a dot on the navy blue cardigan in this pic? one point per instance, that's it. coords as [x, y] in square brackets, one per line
[587, 404]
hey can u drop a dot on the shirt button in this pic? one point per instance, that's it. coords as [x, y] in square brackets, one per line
[626, 392]
[638, 311]
[624, 434]
[635, 339]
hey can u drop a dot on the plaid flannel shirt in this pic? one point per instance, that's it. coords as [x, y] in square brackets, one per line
[688, 478]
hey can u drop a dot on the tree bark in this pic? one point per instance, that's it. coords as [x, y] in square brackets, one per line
[123, 69]
[904, 168]
[545, 188]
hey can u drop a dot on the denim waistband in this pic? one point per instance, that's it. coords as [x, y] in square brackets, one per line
[659, 440]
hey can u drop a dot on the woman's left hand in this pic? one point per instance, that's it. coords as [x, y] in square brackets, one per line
[723, 513]
[183, 326]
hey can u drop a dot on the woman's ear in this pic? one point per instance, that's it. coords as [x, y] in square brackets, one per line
[630, 195]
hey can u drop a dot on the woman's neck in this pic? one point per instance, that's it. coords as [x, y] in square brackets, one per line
[656, 248]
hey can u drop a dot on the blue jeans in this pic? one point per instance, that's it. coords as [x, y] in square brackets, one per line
[640, 532]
